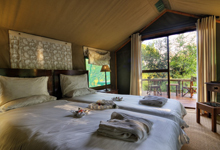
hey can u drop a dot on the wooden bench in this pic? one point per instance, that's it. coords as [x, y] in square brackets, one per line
[212, 108]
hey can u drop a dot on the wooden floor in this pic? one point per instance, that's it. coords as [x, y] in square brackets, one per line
[186, 101]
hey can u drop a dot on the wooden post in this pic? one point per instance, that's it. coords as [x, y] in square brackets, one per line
[197, 113]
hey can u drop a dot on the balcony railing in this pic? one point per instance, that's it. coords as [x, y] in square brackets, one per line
[178, 86]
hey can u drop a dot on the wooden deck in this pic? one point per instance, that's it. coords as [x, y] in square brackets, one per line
[186, 101]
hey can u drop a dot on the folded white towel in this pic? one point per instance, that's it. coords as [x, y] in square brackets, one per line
[125, 127]
[153, 101]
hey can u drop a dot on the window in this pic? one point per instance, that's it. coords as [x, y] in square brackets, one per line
[168, 59]
[96, 78]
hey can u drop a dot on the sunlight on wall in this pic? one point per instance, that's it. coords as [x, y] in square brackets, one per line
[40, 57]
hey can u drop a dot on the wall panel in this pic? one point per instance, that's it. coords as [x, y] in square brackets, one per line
[124, 69]
[77, 52]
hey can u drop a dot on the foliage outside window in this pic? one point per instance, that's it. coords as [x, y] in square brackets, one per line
[182, 52]
[96, 78]
[154, 57]
[154, 54]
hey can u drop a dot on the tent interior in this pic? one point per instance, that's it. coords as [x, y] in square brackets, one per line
[104, 24]
[99, 24]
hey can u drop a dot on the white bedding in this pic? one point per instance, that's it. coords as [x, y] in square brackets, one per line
[173, 109]
[50, 125]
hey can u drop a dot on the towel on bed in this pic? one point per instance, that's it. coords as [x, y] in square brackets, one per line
[102, 104]
[153, 101]
[125, 127]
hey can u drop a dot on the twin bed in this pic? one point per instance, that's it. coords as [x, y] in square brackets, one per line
[51, 125]
[173, 109]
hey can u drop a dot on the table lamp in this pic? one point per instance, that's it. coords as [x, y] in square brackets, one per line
[105, 68]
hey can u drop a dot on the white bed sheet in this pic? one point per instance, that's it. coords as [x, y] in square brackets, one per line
[173, 109]
[50, 126]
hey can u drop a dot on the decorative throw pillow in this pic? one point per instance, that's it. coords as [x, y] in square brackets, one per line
[27, 101]
[69, 83]
[80, 92]
[14, 88]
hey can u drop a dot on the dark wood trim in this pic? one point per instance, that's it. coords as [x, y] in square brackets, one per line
[29, 73]
[116, 73]
[161, 70]
[168, 63]
[182, 13]
[101, 87]
[56, 79]
[153, 21]
[168, 32]
[123, 45]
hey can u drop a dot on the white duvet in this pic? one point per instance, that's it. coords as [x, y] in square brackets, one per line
[50, 126]
[173, 109]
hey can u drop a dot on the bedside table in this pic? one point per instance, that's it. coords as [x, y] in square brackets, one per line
[110, 91]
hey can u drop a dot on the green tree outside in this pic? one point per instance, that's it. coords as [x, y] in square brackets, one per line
[96, 78]
[182, 58]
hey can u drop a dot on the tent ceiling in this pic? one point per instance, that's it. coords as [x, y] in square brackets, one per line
[103, 24]
[197, 7]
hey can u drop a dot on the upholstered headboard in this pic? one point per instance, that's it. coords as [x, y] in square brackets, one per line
[29, 73]
[56, 78]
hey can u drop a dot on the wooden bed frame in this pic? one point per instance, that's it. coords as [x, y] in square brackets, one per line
[29, 73]
[56, 79]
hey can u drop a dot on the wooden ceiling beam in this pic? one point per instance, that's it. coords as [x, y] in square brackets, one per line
[183, 14]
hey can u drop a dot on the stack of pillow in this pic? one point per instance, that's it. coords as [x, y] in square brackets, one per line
[20, 92]
[76, 85]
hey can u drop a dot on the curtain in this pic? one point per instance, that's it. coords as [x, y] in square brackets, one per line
[136, 70]
[206, 51]
[96, 56]
[35, 52]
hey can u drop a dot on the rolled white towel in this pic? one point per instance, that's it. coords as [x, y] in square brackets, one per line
[153, 101]
[102, 104]
[125, 127]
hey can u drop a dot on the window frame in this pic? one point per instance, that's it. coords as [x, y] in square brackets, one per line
[99, 87]
[168, 54]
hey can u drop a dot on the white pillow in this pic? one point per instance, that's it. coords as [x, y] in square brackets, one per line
[69, 83]
[15, 88]
[80, 92]
[27, 101]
